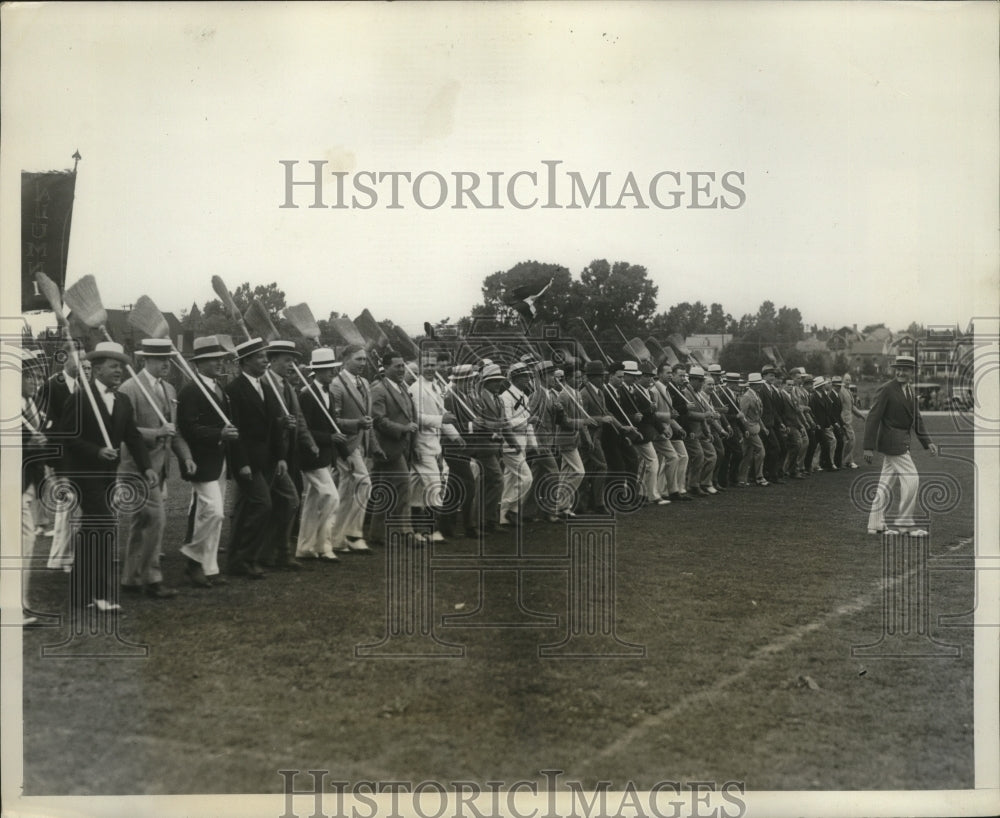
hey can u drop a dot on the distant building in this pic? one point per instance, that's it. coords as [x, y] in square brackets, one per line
[707, 347]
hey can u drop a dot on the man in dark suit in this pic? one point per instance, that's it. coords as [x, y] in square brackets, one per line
[92, 465]
[822, 413]
[395, 424]
[259, 458]
[772, 433]
[208, 437]
[52, 398]
[894, 414]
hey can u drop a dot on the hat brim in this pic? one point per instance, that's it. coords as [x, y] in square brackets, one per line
[95, 356]
[208, 356]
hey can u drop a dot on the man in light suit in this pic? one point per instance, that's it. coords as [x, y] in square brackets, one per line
[352, 409]
[145, 534]
[209, 437]
[319, 495]
[395, 424]
[894, 414]
[92, 466]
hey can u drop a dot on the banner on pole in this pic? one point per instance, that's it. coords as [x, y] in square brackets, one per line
[46, 214]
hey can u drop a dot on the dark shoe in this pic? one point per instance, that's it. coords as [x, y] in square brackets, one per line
[328, 558]
[217, 579]
[157, 591]
[695, 492]
[196, 574]
[290, 564]
[254, 571]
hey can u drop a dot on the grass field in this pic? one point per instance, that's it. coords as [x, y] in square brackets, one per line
[747, 605]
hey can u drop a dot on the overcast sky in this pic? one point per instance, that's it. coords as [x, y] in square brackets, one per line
[866, 136]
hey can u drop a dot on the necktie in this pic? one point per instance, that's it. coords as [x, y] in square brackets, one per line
[31, 413]
[164, 398]
[906, 391]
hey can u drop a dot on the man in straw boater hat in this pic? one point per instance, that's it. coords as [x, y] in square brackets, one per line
[752, 407]
[92, 465]
[672, 457]
[546, 420]
[463, 469]
[595, 463]
[259, 459]
[395, 424]
[701, 452]
[209, 438]
[287, 488]
[849, 411]
[822, 411]
[429, 471]
[141, 568]
[319, 495]
[352, 404]
[492, 429]
[894, 414]
[517, 477]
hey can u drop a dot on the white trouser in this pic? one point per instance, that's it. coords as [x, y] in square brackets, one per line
[27, 541]
[205, 518]
[671, 467]
[428, 474]
[354, 485]
[319, 501]
[572, 475]
[649, 467]
[516, 481]
[901, 466]
[67, 520]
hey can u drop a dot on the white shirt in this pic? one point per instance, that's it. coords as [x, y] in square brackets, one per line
[256, 384]
[107, 395]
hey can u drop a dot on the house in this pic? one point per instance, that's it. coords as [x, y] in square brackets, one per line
[707, 346]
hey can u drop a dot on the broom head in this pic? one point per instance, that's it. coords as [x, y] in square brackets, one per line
[259, 322]
[370, 328]
[48, 288]
[84, 302]
[404, 343]
[638, 348]
[225, 297]
[147, 318]
[301, 317]
[345, 327]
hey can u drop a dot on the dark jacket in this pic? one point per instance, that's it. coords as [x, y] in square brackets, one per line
[891, 419]
[201, 426]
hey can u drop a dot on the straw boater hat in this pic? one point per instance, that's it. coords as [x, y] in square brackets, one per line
[323, 358]
[696, 372]
[905, 360]
[755, 377]
[631, 367]
[491, 372]
[819, 381]
[517, 370]
[282, 348]
[732, 377]
[155, 348]
[108, 349]
[207, 348]
[251, 347]
[714, 369]
[544, 366]
[462, 372]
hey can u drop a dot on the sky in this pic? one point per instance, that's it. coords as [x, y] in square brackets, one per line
[864, 137]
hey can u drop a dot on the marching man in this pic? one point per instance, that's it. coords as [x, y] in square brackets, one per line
[894, 414]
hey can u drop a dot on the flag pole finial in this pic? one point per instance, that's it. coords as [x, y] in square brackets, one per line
[76, 158]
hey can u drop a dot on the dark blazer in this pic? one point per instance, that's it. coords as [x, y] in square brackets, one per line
[730, 407]
[820, 408]
[52, 399]
[650, 426]
[892, 417]
[262, 442]
[769, 412]
[320, 429]
[84, 440]
[201, 426]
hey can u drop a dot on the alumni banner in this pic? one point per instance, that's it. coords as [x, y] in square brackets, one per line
[46, 213]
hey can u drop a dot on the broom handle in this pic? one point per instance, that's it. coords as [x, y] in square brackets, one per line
[309, 386]
[186, 369]
[274, 388]
[135, 377]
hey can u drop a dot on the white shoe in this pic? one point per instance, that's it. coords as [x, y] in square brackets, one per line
[663, 501]
[917, 532]
[358, 545]
[854, 465]
[104, 605]
[437, 536]
[711, 490]
[892, 531]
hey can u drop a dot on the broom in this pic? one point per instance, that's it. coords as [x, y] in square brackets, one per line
[594, 339]
[662, 354]
[85, 302]
[256, 316]
[677, 341]
[147, 318]
[50, 290]
[226, 298]
[301, 317]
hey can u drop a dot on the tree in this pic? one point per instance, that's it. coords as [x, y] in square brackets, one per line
[818, 363]
[915, 330]
[270, 297]
[616, 297]
[550, 307]
[718, 321]
[872, 328]
[684, 318]
[789, 325]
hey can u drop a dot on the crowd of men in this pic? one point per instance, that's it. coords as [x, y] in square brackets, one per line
[325, 461]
